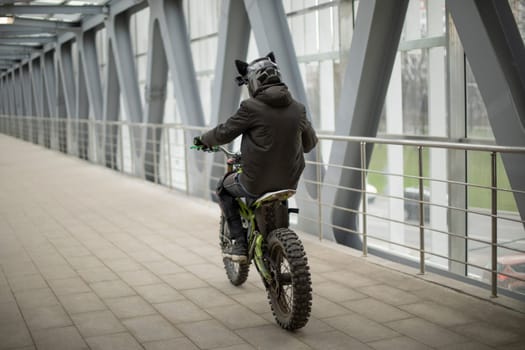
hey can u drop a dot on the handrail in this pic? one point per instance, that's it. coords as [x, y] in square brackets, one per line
[425, 143]
[165, 160]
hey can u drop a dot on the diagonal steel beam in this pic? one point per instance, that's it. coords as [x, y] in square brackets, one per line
[52, 9]
[88, 48]
[82, 110]
[122, 49]
[172, 25]
[272, 33]
[66, 76]
[233, 40]
[111, 105]
[371, 59]
[26, 89]
[156, 84]
[175, 39]
[494, 48]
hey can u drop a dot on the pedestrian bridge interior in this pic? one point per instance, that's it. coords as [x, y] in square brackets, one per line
[412, 205]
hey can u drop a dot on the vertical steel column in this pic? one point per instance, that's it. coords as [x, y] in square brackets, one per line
[60, 121]
[3, 91]
[16, 92]
[372, 55]
[118, 32]
[156, 83]
[69, 88]
[12, 103]
[35, 69]
[88, 50]
[28, 100]
[26, 87]
[82, 111]
[110, 112]
[457, 160]
[67, 76]
[2, 96]
[48, 67]
[19, 105]
[11, 95]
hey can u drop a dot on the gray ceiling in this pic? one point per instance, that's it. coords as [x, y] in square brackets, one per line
[36, 23]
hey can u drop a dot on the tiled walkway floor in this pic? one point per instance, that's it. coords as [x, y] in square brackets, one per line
[93, 259]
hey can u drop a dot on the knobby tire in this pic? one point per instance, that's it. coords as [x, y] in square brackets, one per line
[290, 297]
[237, 272]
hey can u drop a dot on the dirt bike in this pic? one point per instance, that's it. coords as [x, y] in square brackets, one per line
[275, 249]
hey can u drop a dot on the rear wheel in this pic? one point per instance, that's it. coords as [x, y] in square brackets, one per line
[237, 272]
[290, 292]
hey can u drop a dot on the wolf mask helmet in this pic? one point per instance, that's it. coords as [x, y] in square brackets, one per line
[259, 72]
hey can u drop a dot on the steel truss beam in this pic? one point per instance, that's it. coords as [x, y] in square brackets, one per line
[111, 104]
[51, 9]
[50, 100]
[119, 35]
[46, 24]
[16, 49]
[87, 49]
[67, 77]
[371, 58]
[36, 87]
[82, 109]
[21, 30]
[27, 40]
[233, 40]
[157, 78]
[493, 46]
[169, 15]
[272, 33]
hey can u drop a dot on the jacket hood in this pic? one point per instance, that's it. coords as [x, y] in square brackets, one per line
[275, 95]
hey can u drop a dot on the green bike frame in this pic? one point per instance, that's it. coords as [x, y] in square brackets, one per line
[256, 217]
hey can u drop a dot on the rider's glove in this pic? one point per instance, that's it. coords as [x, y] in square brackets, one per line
[198, 142]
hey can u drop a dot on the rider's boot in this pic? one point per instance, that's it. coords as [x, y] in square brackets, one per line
[238, 251]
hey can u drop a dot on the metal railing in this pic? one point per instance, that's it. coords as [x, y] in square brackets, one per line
[160, 153]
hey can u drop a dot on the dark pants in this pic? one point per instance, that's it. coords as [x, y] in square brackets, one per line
[228, 189]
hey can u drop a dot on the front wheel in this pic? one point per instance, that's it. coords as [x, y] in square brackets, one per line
[290, 291]
[237, 272]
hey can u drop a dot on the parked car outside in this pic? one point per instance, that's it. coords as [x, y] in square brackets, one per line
[513, 267]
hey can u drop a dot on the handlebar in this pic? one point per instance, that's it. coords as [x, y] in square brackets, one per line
[216, 149]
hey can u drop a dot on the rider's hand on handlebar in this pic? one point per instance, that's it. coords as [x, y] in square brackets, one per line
[197, 142]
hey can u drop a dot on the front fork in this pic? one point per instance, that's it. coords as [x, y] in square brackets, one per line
[255, 243]
[259, 258]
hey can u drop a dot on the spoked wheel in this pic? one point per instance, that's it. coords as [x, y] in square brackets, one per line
[237, 272]
[290, 292]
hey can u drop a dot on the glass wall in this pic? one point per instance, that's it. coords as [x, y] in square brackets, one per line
[511, 232]
[429, 71]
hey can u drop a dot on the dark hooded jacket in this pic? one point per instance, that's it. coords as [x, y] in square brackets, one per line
[275, 132]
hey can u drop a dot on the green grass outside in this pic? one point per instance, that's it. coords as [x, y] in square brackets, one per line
[478, 174]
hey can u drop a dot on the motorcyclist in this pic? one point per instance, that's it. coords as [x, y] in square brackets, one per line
[275, 134]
